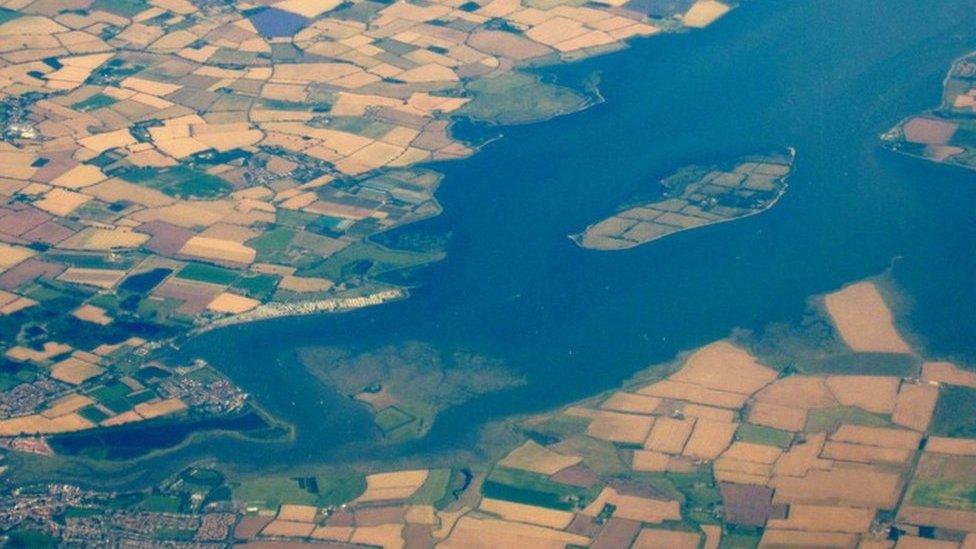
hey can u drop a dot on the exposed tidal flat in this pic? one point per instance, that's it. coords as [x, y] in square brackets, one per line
[512, 287]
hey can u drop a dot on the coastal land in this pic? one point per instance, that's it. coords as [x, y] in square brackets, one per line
[947, 133]
[168, 167]
[831, 431]
[693, 197]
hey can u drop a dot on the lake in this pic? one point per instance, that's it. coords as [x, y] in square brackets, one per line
[826, 77]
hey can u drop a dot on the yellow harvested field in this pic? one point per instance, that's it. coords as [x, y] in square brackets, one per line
[864, 320]
[725, 367]
[873, 393]
[537, 458]
[808, 540]
[38, 424]
[822, 518]
[80, 176]
[384, 535]
[102, 142]
[518, 512]
[114, 190]
[650, 461]
[633, 403]
[650, 538]
[713, 535]
[798, 392]
[102, 278]
[915, 406]
[304, 284]
[801, 457]
[854, 486]
[635, 507]
[150, 87]
[948, 373]
[297, 513]
[150, 410]
[11, 255]
[617, 427]
[709, 439]
[952, 519]
[395, 485]
[66, 405]
[93, 238]
[333, 533]
[954, 446]
[845, 451]
[708, 412]
[126, 417]
[287, 528]
[477, 533]
[420, 514]
[742, 472]
[694, 393]
[75, 371]
[61, 202]
[93, 314]
[778, 417]
[669, 435]
[877, 436]
[25, 354]
[16, 304]
[232, 303]
[704, 13]
[218, 250]
[757, 453]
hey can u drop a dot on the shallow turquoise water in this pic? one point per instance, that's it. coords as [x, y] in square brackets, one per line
[826, 77]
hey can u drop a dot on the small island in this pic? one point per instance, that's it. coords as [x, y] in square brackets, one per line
[944, 134]
[695, 196]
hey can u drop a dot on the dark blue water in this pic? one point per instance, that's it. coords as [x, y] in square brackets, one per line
[826, 77]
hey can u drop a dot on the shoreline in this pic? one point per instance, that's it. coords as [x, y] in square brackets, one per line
[304, 308]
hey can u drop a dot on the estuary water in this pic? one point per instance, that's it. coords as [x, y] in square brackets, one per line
[824, 76]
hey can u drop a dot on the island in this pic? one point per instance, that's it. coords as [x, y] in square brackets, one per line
[946, 133]
[692, 197]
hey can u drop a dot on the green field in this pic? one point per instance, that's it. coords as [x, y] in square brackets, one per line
[96, 101]
[161, 503]
[955, 414]
[868, 364]
[828, 419]
[434, 488]
[364, 258]
[945, 494]
[178, 181]
[519, 98]
[759, 434]
[271, 492]
[202, 272]
[126, 8]
[258, 286]
[272, 245]
[535, 489]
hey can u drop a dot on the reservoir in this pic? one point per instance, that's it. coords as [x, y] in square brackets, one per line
[826, 77]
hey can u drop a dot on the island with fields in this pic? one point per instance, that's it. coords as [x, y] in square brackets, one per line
[692, 197]
[946, 133]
